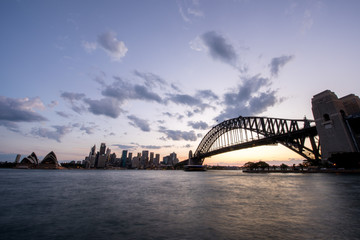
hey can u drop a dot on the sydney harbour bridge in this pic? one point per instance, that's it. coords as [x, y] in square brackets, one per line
[299, 135]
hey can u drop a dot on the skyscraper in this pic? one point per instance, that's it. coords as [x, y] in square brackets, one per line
[123, 158]
[102, 148]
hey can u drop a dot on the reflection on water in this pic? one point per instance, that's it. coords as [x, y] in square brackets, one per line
[40, 204]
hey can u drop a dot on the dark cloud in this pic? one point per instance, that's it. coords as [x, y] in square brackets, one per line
[249, 98]
[151, 80]
[122, 90]
[74, 100]
[176, 88]
[219, 48]
[62, 114]
[115, 48]
[174, 115]
[14, 110]
[87, 129]
[56, 134]
[207, 94]
[11, 126]
[178, 135]
[107, 106]
[184, 99]
[144, 94]
[139, 123]
[124, 147]
[198, 125]
[72, 96]
[20, 110]
[279, 62]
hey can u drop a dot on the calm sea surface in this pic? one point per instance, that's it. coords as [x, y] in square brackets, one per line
[105, 204]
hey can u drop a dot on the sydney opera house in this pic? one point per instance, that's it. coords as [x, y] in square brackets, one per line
[49, 162]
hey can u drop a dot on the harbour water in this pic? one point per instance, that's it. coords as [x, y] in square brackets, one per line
[136, 204]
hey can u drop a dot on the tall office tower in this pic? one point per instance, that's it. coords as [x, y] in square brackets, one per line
[333, 118]
[128, 160]
[123, 158]
[144, 158]
[17, 159]
[112, 158]
[135, 162]
[108, 153]
[101, 163]
[102, 148]
[151, 162]
[173, 159]
[166, 160]
[93, 150]
[157, 160]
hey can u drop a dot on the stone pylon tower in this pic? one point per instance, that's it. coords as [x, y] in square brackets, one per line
[331, 114]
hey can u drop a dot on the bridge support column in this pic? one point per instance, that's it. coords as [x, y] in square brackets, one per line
[329, 112]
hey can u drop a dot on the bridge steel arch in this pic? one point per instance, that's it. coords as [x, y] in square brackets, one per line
[245, 132]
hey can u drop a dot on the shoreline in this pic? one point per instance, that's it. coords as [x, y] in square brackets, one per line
[305, 171]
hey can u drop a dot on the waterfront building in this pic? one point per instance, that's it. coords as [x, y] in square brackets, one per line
[166, 160]
[144, 159]
[135, 163]
[102, 148]
[173, 158]
[49, 161]
[157, 160]
[17, 159]
[32, 161]
[92, 157]
[128, 160]
[123, 158]
[151, 161]
[101, 161]
[337, 123]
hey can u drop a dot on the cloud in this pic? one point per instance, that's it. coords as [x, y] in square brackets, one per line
[151, 80]
[279, 62]
[139, 123]
[19, 110]
[143, 93]
[198, 125]
[53, 104]
[248, 98]
[106, 106]
[207, 94]
[184, 99]
[62, 114]
[178, 135]
[88, 130]
[122, 146]
[116, 49]
[307, 21]
[174, 115]
[189, 10]
[56, 134]
[11, 126]
[89, 46]
[72, 96]
[122, 91]
[73, 99]
[219, 48]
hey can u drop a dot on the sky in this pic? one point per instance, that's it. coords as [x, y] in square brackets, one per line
[157, 75]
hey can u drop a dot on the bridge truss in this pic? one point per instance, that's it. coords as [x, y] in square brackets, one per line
[245, 132]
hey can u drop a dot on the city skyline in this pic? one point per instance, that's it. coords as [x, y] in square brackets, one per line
[158, 75]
